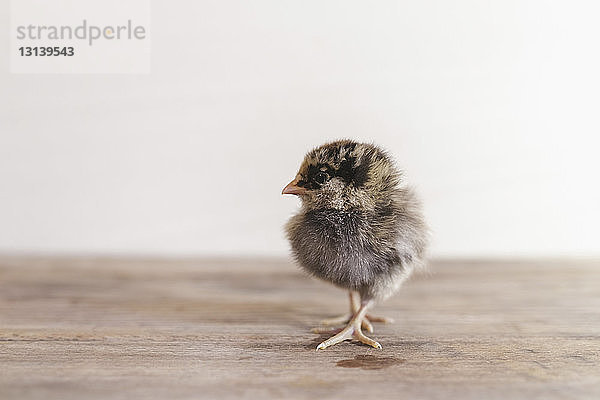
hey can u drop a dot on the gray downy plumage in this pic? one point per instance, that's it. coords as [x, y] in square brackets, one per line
[360, 227]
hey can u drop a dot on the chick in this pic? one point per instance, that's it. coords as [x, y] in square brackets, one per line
[358, 228]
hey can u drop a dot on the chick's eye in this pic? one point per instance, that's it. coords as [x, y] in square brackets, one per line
[321, 177]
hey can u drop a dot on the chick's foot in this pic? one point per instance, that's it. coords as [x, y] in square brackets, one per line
[341, 320]
[352, 331]
[355, 306]
[367, 322]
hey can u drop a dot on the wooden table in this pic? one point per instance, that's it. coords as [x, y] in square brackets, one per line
[83, 328]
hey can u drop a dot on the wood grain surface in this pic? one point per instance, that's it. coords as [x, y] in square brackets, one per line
[80, 328]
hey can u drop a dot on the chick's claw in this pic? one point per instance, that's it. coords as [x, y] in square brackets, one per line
[367, 340]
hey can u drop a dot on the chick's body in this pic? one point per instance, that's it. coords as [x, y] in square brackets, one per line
[358, 228]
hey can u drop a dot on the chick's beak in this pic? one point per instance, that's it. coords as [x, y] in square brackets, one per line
[293, 188]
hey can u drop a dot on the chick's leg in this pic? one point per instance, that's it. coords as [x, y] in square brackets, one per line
[368, 319]
[353, 330]
[344, 319]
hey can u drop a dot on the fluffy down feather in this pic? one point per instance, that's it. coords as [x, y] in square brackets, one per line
[359, 226]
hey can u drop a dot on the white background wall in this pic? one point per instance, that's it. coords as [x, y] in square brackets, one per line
[491, 107]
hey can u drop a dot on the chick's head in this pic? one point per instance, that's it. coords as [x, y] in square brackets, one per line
[343, 175]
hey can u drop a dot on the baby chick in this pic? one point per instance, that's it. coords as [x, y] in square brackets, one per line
[358, 228]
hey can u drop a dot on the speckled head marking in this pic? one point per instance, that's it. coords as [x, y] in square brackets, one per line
[344, 174]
